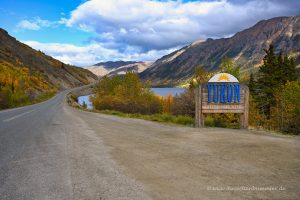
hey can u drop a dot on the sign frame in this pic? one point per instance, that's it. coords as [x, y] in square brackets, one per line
[203, 106]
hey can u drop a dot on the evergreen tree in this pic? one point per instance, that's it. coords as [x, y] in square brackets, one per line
[289, 69]
[251, 84]
[274, 73]
[84, 105]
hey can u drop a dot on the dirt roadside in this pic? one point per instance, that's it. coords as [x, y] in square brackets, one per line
[175, 162]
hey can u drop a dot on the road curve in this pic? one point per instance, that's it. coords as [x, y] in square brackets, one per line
[52, 151]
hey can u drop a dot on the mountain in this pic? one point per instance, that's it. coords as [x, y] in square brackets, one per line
[137, 67]
[14, 55]
[246, 48]
[114, 64]
[118, 67]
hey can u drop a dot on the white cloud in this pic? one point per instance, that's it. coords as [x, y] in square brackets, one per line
[151, 24]
[34, 24]
[93, 53]
[25, 24]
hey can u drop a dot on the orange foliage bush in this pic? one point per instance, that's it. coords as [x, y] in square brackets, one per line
[126, 94]
[167, 103]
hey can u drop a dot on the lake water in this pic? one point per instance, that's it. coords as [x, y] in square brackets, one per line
[85, 99]
[158, 91]
[167, 91]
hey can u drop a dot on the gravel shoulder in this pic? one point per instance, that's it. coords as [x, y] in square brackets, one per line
[173, 162]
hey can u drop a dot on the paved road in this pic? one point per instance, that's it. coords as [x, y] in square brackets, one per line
[52, 151]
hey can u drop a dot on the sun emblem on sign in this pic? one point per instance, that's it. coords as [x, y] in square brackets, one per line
[223, 77]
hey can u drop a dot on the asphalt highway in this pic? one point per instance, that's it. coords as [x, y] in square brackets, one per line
[48, 153]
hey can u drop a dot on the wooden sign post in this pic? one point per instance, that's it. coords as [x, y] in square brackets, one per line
[222, 94]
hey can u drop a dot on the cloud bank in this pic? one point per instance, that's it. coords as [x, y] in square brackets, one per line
[149, 24]
[148, 29]
[93, 53]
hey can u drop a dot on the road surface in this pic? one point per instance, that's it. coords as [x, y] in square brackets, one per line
[53, 151]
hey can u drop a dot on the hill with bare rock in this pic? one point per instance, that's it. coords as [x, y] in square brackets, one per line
[28, 76]
[56, 73]
[246, 48]
[118, 67]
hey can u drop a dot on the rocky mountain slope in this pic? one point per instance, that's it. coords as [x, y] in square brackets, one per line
[59, 75]
[118, 67]
[245, 48]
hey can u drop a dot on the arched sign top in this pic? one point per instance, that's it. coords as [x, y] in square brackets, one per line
[223, 78]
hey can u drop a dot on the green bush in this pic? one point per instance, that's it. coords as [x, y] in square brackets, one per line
[84, 105]
[126, 94]
[184, 104]
[286, 111]
[185, 120]
[209, 121]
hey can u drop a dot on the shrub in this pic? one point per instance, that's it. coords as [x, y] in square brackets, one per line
[126, 94]
[84, 105]
[225, 120]
[167, 103]
[256, 118]
[185, 120]
[164, 117]
[184, 104]
[286, 112]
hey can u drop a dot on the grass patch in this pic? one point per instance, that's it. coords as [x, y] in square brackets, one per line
[164, 118]
[39, 99]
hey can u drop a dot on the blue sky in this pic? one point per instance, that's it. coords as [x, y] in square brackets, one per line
[86, 32]
[14, 11]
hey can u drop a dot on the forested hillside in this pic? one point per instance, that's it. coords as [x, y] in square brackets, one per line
[28, 76]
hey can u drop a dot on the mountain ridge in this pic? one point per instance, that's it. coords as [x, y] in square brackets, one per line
[118, 67]
[114, 64]
[246, 48]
